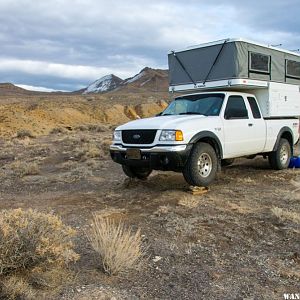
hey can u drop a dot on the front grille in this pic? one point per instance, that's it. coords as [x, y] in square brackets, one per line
[143, 136]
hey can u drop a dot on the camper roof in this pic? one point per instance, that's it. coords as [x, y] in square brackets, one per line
[231, 40]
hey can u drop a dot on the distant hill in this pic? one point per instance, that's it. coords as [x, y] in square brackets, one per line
[147, 80]
[8, 89]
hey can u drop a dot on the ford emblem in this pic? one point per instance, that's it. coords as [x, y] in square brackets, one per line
[136, 136]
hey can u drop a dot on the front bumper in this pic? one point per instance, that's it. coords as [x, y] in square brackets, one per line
[167, 158]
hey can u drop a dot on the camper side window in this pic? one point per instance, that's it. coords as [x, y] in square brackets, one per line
[292, 68]
[259, 62]
[236, 108]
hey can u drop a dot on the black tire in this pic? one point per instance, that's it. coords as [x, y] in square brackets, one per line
[227, 162]
[204, 154]
[280, 158]
[135, 172]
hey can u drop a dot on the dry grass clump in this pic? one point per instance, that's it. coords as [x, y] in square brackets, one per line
[58, 130]
[22, 169]
[32, 244]
[119, 248]
[92, 127]
[92, 151]
[22, 133]
[189, 201]
[283, 215]
[15, 287]
[86, 151]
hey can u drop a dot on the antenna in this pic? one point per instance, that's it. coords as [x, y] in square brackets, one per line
[278, 45]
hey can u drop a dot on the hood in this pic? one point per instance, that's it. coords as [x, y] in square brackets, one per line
[163, 122]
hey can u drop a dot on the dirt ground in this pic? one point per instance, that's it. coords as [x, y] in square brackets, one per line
[226, 244]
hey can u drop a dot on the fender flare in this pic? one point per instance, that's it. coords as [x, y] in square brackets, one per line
[282, 130]
[210, 135]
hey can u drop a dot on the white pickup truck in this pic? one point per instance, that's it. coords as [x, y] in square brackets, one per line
[198, 132]
[244, 100]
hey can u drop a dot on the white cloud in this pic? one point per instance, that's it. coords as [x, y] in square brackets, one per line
[36, 88]
[64, 70]
[74, 40]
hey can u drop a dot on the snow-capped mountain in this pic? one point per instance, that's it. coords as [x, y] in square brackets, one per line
[146, 80]
[104, 84]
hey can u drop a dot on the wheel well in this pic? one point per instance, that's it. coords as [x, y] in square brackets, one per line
[288, 136]
[214, 144]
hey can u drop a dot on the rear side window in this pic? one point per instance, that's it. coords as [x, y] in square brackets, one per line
[254, 107]
[236, 108]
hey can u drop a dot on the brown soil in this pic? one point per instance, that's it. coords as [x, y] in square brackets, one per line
[225, 244]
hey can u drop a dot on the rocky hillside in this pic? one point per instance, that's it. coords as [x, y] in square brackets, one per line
[46, 113]
[147, 80]
[109, 100]
[104, 84]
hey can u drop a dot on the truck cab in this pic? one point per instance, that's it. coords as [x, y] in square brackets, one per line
[198, 131]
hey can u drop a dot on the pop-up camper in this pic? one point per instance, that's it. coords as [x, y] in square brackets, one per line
[271, 74]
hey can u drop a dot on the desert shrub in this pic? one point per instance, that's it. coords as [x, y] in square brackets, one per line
[86, 151]
[119, 247]
[32, 243]
[22, 169]
[92, 151]
[58, 130]
[284, 215]
[22, 133]
[189, 201]
[92, 127]
[15, 287]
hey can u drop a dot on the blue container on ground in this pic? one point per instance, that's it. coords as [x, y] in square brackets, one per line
[295, 162]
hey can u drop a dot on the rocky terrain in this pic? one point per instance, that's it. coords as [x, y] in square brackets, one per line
[238, 241]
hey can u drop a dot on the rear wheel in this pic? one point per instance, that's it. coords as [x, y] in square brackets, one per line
[136, 172]
[202, 165]
[280, 158]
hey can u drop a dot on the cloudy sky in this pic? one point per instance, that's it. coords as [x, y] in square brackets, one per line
[67, 44]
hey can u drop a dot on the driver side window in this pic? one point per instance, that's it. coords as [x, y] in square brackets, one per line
[236, 108]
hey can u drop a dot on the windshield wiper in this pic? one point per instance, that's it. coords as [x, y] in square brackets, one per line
[192, 113]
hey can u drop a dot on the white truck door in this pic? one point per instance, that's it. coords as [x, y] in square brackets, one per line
[257, 124]
[238, 128]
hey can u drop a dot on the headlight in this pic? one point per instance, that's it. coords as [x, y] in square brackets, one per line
[171, 135]
[117, 135]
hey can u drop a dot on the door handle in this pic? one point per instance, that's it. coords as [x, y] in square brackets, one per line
[250, 124]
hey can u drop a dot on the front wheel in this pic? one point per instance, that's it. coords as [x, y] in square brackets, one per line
[135, 172]
[202, 165]
[280, 158]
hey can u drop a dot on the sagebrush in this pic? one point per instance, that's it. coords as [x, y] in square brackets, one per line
[22, 133]
[22, 169]
[284, 215]
[118, 246]
[31, 244]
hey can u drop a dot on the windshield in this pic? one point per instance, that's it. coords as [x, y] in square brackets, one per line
[203, 104]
